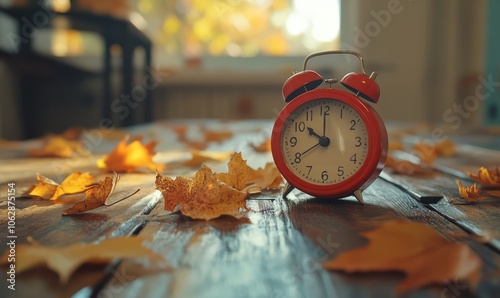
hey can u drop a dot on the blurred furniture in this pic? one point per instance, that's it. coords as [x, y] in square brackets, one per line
[114, 31]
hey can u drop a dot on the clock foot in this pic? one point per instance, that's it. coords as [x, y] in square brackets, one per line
[288, 189]
[359, 196]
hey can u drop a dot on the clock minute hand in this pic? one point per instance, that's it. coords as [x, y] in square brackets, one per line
[309, 149]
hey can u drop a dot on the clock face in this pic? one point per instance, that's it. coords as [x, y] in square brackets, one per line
[324, 141]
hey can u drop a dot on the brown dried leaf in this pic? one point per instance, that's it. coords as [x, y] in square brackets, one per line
[471, 193]
[265, 178]
[239, 173]
[204, 197]
[129, 158]
[49, 190]
[95, 196]
[405, 167]
[216, 135]
[66, 260]
[415, 249]
[487, 177]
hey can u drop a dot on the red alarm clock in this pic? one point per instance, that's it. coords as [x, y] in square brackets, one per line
[327, 142]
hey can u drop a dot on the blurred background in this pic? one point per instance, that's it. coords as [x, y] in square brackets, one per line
[111, 63]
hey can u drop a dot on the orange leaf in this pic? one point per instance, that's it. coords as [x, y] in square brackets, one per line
[405, 167]
[128, 158]
[445, 148]
[95, 196]
[216, 135]
[262, 147]
[426, 152]
[415, 249]
[471, 193]
[265, 178]
[495, 193]
[198, 158]
[487, 177]
[204, 197]
[66, 260]
[49, 190]
[57, 146]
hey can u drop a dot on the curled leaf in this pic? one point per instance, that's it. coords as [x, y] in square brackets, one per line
[263, 147]
[95, 196]
[426, 152]
[405, 167]
[471, 193]
[486, 177]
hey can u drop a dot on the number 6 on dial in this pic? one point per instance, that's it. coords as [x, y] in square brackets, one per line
[328, 142]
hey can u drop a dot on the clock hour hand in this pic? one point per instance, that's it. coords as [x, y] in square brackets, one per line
[323, 141]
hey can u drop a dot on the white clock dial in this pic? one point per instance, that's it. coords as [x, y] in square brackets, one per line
[324, 141]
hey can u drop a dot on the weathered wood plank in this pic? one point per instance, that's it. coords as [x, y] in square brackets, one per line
[278, 251]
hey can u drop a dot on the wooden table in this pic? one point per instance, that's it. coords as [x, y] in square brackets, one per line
[276, 251]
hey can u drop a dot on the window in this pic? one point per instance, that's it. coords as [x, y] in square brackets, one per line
[184, 29]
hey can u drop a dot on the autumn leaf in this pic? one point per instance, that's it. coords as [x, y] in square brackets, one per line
[265, 178]
[445, 148]
[95, 196]
[203, 197]
[405, 167]
[239, 173]
[129, 158]
[426, 152]
[487, 177]
[57, 146]
[417, 250]
[200, 157]
[494, 193]
[471, 193]
[50, 190]
[216, 135]
[262, 147]
[66, 260]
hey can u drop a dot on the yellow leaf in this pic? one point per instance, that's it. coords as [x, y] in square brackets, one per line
[405, 167]
[57, 146]
[200, 157]
[49, 190]
[128, 158]
[487, 177]
[426, 152]
[66, 260]
[417, 250]
[216, 135]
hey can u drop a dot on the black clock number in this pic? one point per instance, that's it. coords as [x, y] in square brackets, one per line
[340, 171]
[324, 175]
[324, 111]
[353, 124]
[293, 141]
[298, 157]
[358, 142]
[310, 168]
[353, 158]
[309, 115]
[300, 126]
